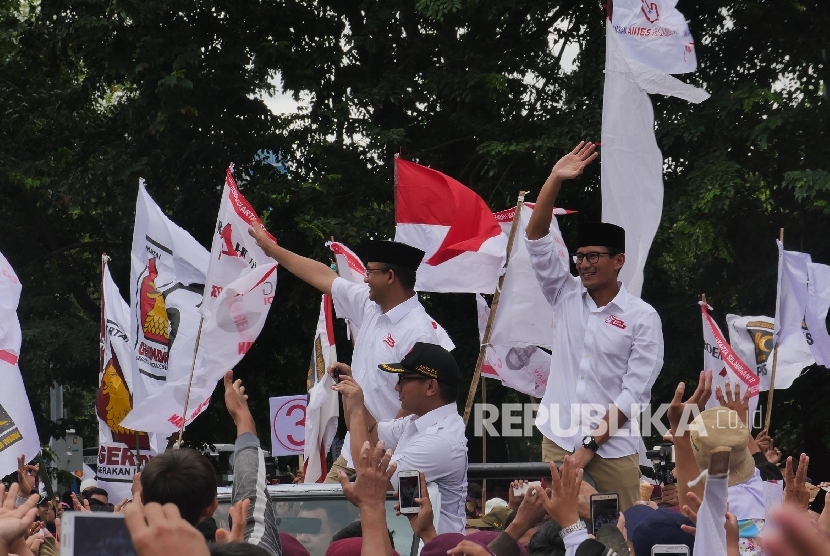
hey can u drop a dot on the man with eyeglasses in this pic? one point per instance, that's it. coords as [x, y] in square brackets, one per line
[388, 314]
[607, 345]
[430, 438]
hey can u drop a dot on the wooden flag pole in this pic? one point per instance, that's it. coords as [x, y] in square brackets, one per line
[771, 391]
[493, 308]
[189, 384]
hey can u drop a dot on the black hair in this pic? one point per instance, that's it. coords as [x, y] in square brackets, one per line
[183, 477]
[355, 529]
[448, 392]
[404, 275]
[547, 541]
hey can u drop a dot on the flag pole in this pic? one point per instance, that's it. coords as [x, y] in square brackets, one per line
[771, 391]
[493, 308]
[189, 384]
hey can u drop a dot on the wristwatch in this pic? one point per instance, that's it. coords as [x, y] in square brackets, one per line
[578, 526]
[590, 443]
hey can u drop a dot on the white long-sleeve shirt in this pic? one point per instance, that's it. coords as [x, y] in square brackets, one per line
[382, 338]
[600, 356]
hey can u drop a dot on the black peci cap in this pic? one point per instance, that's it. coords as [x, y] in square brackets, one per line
[601, 233]
[391, 252]
[430, 360]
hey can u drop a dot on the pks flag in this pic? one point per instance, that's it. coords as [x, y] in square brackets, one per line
[121, 451]
[351, 268]
[791, 303]
[167, 277]
[288, 413]
[752, 339]
[233, 252]
[725, 364]
[322, 411]
[18, 433]
[464, 246]
[237, 318]
[654, 33]
[632, 164]
[818, 304]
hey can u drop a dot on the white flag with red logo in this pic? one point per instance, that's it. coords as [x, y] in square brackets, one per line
[464, 246]
[725, 364]
[167, 277]
[322, 411]
[237, 318]
[233, 252]
[18, 433]
[121, 451]
[632, 164]
[655, 34]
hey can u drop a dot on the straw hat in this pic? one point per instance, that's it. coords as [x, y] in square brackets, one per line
[721, 426]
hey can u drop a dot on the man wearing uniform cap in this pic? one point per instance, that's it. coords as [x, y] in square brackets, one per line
[388, 314]
[607, 345]
[431, 438]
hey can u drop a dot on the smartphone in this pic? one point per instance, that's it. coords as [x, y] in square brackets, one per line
[522, 490]
[95, 533]
[605, 508]
[409, 488]
[672, 549]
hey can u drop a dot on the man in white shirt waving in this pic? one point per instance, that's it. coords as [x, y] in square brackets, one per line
[607, 346]
[431, 439]
[387, 313]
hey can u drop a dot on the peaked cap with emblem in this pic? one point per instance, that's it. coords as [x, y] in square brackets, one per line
[391, 252]
[430, 360]
[601, 234]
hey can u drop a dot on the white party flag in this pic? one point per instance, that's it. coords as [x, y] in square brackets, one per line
[121, 451]
[18, 433]
[167, 277]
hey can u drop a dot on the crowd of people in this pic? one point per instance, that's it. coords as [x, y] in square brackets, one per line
[400, 397]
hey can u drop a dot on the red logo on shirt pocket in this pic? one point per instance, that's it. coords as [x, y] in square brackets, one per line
[389, 340]
[614, 321]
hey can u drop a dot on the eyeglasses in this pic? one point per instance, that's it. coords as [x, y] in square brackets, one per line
[593, 257]
[402, 378]
[368, 271]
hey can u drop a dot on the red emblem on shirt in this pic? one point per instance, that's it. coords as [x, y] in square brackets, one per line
[389, 340]
[435, 325]
[614, 321]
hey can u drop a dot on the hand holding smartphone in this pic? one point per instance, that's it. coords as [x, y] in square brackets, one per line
[669, 550]
[409, 488]
[95, 533]
[605, 508]
[526, 486]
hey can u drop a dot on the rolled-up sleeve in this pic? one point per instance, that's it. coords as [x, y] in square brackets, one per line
[551, 274]
[350, 300]
[644, 365]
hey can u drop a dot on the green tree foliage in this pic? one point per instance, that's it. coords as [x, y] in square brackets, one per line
[95, 94]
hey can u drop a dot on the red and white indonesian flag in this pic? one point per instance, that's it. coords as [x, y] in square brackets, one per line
[120, 450]
[237, 318]
[725, 364]
[233, 252]
[640, 54]
[322, 411]
[752, 339]
[803, 303]
[524, 320]
[167, 277]
[18, 433]
[464, 246]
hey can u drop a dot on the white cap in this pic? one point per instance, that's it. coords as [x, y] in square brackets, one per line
[88, 483]
[493, 503]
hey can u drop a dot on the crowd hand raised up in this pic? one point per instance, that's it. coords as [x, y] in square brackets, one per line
[261, 236]
[690, 510]
[373, 475]
[77, 504]
[680, 410]
[26, 475]
[572, 164]
[422, 522]
[730, 397]
[159, 530]
[236, 402]
[515, 500]
[351, 392]
[14, 522]
[792, 533]
[239, 516]
[563, 501]
[795, 484]
[531, 512]
[767, 445]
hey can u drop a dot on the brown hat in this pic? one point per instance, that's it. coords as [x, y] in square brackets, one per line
[495, 519]
[721, 426]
